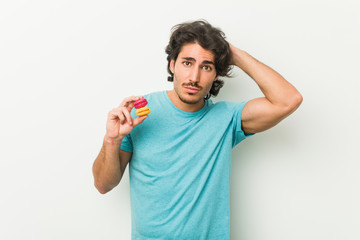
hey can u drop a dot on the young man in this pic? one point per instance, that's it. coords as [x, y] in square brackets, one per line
[180, 157]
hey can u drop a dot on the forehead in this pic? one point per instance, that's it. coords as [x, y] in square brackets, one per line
[194, 50]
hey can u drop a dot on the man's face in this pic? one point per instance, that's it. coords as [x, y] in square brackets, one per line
[194, 73]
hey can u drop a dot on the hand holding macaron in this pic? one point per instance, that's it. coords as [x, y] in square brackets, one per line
[120, 123]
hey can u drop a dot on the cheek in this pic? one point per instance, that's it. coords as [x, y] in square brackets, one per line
[177, 81]
[181, 76]
[209, 86]
[210, 80]
[180, 73]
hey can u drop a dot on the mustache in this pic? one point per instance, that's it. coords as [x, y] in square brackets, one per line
[192, 84]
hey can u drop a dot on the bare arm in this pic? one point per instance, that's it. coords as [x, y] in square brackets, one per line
[110, 164]
[281, 98]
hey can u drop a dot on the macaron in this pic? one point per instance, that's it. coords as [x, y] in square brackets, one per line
[142, 111]
[140, 103]
[140, 106]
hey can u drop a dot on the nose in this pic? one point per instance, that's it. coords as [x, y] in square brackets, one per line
[195, 74]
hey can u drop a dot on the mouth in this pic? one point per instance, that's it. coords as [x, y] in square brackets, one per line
[192, 89]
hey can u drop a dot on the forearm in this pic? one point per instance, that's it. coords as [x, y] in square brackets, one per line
[276, 89]
[107, 168]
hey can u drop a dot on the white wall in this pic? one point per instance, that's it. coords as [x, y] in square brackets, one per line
[65, 64]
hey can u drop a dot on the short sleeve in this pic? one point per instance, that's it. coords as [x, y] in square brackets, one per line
[126, 144]
[239, 135]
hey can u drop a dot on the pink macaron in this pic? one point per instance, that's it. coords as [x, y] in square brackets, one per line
[140, 103]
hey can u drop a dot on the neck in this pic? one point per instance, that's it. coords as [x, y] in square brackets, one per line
[174, 98]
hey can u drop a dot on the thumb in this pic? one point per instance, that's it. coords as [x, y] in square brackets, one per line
[139, 120]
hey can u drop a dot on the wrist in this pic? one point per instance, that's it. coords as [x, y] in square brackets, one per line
[112, 140]
[238, 57]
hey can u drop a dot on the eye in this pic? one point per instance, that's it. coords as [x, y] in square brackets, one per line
[187, 63]
[207, 68]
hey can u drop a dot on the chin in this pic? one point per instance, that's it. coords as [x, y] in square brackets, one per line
[190, 98]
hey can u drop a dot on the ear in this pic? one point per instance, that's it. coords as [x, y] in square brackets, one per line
[172, 65]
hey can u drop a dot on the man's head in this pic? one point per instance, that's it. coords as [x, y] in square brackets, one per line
[210, 39]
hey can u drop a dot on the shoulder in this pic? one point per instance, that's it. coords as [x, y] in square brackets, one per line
[229, 106]
[155, 98]
[153, 94]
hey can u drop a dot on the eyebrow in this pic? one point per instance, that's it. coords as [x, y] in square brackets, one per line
[194, 60]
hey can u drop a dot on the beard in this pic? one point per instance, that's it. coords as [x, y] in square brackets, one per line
[189, 101]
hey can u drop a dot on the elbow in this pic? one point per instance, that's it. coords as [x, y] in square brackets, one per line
[101, 188]
[100, 183]
[103, 191]
[291, 105]
[105, 185]
[105, 181]
[296, 102]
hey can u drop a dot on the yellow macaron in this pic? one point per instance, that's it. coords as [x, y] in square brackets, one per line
[142, 111]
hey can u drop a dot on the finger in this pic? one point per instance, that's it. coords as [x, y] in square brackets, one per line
[127, 115]
[122, 118]
[130, 104]
[139, 120]
[128, 100]
[117, 114]
[112, 115]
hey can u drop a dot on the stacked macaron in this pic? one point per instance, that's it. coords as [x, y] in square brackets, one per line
[140, 106]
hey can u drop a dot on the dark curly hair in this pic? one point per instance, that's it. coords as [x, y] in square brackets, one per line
[209, 38]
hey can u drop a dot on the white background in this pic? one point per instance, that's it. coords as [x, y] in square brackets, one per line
[65, 64]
